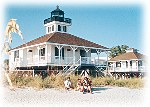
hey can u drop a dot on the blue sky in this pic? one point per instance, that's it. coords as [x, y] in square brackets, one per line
[107, 25]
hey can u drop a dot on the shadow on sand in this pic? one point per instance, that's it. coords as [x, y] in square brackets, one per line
[99, 89]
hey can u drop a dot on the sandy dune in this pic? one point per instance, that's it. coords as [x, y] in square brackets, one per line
[102, 96]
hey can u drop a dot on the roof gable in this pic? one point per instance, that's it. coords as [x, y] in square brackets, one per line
[128, 56]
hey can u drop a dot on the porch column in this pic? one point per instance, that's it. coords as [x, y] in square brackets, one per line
[137, 65]
[46, 53]
[59, 48]
[73, 50]
[98, 53]
[114, 66]
[128, 65]
[87, 50]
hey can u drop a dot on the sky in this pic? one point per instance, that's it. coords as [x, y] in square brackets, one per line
[107, 25]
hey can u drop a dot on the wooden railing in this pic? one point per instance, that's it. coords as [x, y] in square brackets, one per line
[129, 69]
[43, 60]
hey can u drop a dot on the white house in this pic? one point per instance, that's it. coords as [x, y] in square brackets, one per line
[131, 61]
[56, 48]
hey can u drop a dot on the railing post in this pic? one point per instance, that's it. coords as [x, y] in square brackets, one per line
[59, 54]
[73, 56]
[73, 50]
[80, 60]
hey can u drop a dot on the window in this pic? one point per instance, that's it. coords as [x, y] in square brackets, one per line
[29, 50]
[118, 64]
[49, 29]
[126, 64]
[53, 28]
[16, 54]
[68, 49]
[130, 63]
[140, 63]
[56, 51]
[59, 28]
[83, 53]
[42, 52]
[64, 28]
[61, 52]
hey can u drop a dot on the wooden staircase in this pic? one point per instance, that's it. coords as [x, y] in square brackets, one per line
[71, 67]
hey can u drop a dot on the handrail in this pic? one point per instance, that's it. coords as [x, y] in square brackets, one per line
[67, 61]
[130, 68]
[73, 66]
[67, 65]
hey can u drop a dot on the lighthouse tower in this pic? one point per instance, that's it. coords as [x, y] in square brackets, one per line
[57, 22]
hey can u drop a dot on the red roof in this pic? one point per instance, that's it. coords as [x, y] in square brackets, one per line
[128, 56]
[62, 38]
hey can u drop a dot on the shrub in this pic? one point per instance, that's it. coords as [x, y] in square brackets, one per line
[58, 81]
[130, 83]
[37, 82]
[102, 81]
[135, 83]
[74, 80]
[121, 83]
[47, 82]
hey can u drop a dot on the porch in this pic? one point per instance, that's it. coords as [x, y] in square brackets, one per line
[55, 61]
[129, 69]
[64, 56]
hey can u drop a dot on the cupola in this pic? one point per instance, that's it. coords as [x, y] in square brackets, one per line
[57, 22]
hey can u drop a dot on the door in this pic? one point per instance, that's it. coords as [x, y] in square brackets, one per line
[83, 57]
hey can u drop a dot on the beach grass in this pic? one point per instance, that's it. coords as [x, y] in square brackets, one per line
[58, 81]
[130, 83]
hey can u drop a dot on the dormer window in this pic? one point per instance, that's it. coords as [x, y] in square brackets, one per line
[64, 28]
[53, 28]
[49, 29]
[59, 28]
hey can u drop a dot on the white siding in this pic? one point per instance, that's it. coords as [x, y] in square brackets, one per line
[49, 53]
[21, 57]
[134, 65]
[24, 57]
[27, 58]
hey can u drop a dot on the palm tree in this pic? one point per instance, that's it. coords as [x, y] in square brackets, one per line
[118, 50]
